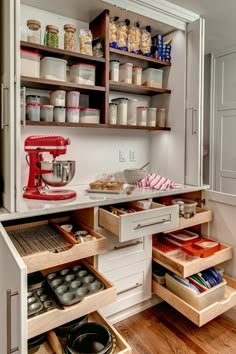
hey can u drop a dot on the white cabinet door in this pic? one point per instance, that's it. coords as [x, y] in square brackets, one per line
[194, 103]
[13, 298]
[7, 118]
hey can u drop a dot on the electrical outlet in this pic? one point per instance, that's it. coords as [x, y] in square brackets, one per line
[122, 157]
[132, 155]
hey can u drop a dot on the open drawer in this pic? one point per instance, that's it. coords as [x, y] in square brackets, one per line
[68, 249]
[48, 320]
[140, 222]
[184, 265]
[199, 317]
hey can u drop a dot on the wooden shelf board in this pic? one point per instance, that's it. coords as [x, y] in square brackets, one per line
[32, 82]
[156, 62]
[61, 53]
[137, 89]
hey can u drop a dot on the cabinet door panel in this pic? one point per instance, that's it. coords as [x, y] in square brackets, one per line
[13, 297]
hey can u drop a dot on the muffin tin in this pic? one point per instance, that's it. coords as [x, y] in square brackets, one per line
[71, 285]
[40, 300]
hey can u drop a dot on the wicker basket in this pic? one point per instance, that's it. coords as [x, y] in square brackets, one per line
[134, 175]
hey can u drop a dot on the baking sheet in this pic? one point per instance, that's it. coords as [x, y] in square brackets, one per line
[105, 191]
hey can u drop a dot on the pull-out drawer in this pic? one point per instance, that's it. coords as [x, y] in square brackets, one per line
[184, 265]
[56, 317]
[132, 225]
[68, 249]
[199, 317]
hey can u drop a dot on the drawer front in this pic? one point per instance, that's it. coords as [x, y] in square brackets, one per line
[133, 285]
[134, 225]
[121, 254]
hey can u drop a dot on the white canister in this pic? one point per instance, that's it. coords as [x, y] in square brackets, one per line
[161, 117]
[137, 75]
[114, 70]
[132, 111]
[152, 117]
[33, 112]
[122, 110]
[72, 114]
[58, 98]
[59, 114]
[142, 115]
[125, 73]
[46, 113]
[113, 113]
[72, 99]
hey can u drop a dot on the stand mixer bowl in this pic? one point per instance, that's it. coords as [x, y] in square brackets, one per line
[63, 172]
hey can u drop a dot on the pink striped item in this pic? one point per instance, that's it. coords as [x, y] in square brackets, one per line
[155, 181]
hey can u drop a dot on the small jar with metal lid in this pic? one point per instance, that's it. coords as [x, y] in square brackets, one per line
[34, 31]
[70, 37]
[52, 36]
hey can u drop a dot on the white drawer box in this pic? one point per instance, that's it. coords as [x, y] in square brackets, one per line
[129, 226]
[121, 254]
[133, 285]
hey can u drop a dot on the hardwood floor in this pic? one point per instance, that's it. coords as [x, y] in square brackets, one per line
[162, 329]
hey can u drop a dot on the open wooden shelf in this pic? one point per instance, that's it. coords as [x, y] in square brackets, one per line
[137, 89]
[155, 62]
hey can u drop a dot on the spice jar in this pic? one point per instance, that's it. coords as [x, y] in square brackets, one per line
[34, 31]
[70, 38]
[52, 36]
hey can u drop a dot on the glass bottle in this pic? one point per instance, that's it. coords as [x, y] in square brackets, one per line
[70, 37]
[52, 36]
[34, 31]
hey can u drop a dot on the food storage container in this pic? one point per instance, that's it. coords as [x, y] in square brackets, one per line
[134, 38]
[89, 115]
[32, 99]
[85, 39]
[187, 208]
[137, 75]
[72, 114]
[52, 36]
[152, 77]
[59, 114]
[126, 73]
[46, 113]
[33, 112]
[113, 32]
[72, 99]
[146, 41]
[113, 113]
[34, 31]
[122, 35]
[161, 117]
[132, 111]
[58, 98]
[114, 70]
[152, 117]
[70, 37]
[83, 74]
[142, 115]
[53, 69]
[122, 110]
[29, 63]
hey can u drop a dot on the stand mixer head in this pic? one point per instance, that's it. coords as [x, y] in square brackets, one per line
[54, 173]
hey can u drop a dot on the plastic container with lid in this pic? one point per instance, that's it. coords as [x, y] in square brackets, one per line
[126, 73]
[72, 99]
[34, 31]
[132, 111]
[33, 112]
[161, 117]
[83, 74]
[59, 114]
[113, 113]
[58, 98]
[89, 115]
[32, 99]
[152, 117]
[114, 70]
[53, 69]
[72, 114]
[70, 37]
[122, 110]
[46, 113]
[137, 75]
[142, 115]
[52, 36]
[29, 63]
[187, 208]
[152, 77]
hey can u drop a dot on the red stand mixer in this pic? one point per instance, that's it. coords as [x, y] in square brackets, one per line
[54, 173]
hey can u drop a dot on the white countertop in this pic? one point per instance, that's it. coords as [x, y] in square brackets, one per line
[33, 207]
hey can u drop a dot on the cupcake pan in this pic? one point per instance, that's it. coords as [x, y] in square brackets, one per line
[71, 285]
[40, 301]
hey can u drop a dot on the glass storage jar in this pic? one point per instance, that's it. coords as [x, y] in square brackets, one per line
[113, 113]
[52, 36]
[142, 116]
[34, 31]
[70, 37]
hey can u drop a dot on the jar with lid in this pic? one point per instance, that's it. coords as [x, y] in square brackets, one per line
[161, 117]
[70, 37]
[137, 75]
[59, 114]
[52, 36]
[152, 117]
[114, 70]
[142, 115]
[113, 113]
[122, 110]
[34, 31]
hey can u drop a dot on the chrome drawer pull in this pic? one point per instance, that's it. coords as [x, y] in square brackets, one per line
[140, 226]
[9, 296]
[126, 246]
[131, 288]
